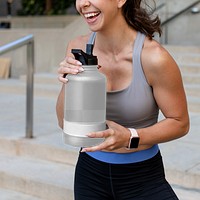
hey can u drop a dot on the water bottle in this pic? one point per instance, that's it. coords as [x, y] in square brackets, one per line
[85, 102]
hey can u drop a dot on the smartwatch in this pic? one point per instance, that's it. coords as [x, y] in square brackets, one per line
[134, 139]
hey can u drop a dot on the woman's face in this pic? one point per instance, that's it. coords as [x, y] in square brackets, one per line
[99, 14]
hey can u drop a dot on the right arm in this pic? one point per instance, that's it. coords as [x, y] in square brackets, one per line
[68, 66]
[60, 106]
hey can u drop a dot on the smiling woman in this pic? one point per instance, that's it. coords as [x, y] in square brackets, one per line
[142, 79]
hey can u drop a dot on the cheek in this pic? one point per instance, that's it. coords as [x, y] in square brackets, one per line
[77, 6]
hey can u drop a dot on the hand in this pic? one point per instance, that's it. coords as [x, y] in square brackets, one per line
[69, 66]
[116, 137]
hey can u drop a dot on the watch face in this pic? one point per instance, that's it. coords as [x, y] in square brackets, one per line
[134, 142]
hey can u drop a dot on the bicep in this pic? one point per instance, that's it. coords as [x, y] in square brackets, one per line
[165, 78]
[168, 90]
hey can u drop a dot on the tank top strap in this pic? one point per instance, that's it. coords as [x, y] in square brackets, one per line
[139, 42]
[137, 50]
[92, 38]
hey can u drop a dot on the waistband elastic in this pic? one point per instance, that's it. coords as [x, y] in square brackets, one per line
[125, 158]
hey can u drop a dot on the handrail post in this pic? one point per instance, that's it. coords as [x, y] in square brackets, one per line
[29, 42]
[29, 89]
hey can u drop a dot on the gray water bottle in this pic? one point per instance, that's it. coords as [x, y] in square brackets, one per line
[85, 102]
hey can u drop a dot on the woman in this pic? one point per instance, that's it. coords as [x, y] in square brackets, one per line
[142, 78]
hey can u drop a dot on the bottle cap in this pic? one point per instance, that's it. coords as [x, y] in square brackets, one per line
[85, 58]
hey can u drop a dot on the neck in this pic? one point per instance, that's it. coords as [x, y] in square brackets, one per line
[114, 41]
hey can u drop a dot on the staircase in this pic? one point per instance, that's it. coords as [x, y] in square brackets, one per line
[188, 59]
[38, 168]
[42, 168]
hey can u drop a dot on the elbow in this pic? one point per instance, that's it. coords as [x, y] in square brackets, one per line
[185, 127]
[60, 123]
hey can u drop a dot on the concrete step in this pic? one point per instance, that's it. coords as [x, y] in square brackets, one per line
[185, 193]
[39, 178]
[43, 78]
[174, 49]
[192, 78]
[190, 68]
[192, 90]
[193, 104]
[46, 87]
[49, 148]
[187, 58]
[13, 195]
[45, 155]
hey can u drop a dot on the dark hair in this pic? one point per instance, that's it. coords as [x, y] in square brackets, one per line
[141, 18]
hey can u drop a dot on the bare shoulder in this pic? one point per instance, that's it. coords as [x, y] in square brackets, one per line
[156, 60]
[156, 55]
[78, 42]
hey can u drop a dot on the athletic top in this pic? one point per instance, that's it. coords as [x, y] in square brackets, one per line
[132, 107]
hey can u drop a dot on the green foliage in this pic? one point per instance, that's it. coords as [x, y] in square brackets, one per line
[38, 7]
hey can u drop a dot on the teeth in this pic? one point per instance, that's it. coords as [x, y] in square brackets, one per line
[88, 15]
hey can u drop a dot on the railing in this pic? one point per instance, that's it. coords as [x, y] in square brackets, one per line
[159, 7]
[172, 18]
[179, 13]
[29, 41]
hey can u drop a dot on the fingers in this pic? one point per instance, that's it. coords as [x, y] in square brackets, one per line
[101, 134]
[69, 66]
[108, 143]
[95, 148]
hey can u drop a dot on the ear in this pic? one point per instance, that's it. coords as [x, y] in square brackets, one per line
[121, 3]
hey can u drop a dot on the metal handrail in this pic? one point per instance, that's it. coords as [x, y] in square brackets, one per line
[29, 41]
[179, 13]
[159, 7]
[172, 18]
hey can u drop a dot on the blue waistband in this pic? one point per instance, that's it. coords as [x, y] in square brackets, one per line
[125, 158]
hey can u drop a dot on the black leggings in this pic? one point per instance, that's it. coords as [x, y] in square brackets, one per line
[96, 180]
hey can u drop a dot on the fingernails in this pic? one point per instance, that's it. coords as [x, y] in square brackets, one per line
[75, 71]
[80, 69]
[89, 134]
[79, 63]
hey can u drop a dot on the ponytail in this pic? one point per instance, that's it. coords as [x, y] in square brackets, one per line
[140, 18]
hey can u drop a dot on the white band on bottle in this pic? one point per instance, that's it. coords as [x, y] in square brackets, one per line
[133, 134]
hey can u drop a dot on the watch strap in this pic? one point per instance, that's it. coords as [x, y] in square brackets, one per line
[133, 134]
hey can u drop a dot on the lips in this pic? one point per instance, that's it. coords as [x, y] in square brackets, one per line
[91, 16]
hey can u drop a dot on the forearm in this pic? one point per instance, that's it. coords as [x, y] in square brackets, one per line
[164, 131]
[60, 107]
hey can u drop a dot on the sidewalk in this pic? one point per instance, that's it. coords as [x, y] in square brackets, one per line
[181, 157]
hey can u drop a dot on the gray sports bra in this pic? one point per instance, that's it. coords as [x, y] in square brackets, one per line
[134, 106]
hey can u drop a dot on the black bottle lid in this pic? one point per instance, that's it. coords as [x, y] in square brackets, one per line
[85, 58]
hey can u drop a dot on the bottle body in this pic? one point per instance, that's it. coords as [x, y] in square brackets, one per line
[85, 107]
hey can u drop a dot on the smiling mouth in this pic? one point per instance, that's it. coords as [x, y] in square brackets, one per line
[91, 15]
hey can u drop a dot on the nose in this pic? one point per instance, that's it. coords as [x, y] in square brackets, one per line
[84, 3]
